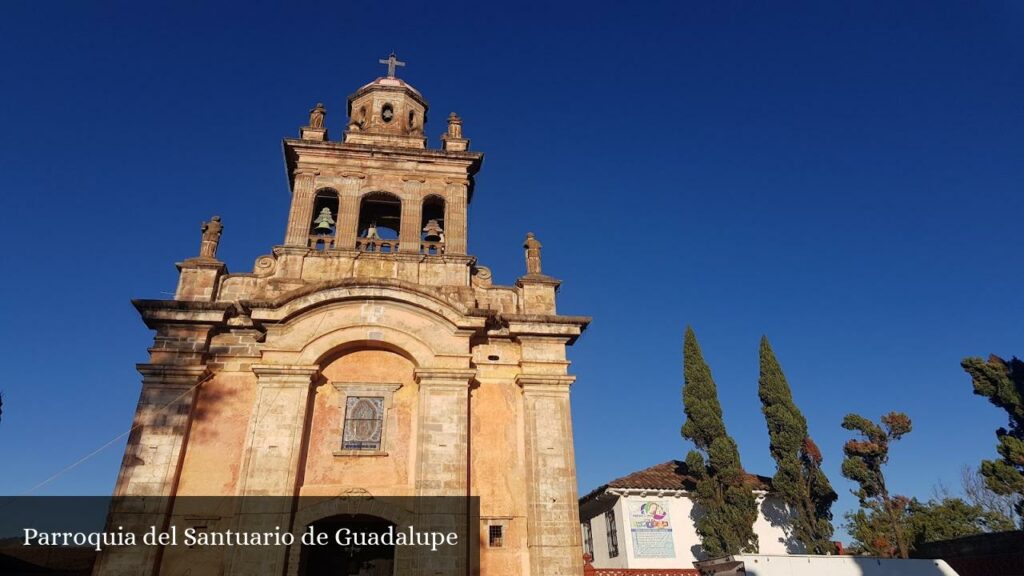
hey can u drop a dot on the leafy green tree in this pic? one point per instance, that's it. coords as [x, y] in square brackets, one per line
[872, 529]
[863, 464]
[723, 490]
[799, 480]
[1002, 382]
[951, 518]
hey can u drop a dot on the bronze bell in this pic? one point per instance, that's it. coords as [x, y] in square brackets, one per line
[433, 231]
[324, 222]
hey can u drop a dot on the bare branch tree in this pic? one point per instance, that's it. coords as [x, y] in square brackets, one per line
[977, 492]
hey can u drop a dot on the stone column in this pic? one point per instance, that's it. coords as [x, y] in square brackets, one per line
[443, 431]
[553, 524]
[301, 215]
[270, 462]
[348, 212]
[152, 463]
[412, 216]
[456, 219]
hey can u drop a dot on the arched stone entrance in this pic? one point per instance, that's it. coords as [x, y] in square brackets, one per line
[358, 514]
[360, 557]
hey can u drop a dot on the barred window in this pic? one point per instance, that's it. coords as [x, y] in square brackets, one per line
[495, 536]
[588, 539]
[613, 534]
[364, 422]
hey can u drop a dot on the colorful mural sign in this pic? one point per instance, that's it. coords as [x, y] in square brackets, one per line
[651, 528]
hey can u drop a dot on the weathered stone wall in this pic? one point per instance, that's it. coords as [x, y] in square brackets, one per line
[392, 470]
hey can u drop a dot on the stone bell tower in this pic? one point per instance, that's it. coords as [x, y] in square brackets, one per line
[369, 352]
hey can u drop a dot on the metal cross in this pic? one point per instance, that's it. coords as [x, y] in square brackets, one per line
[392, 61]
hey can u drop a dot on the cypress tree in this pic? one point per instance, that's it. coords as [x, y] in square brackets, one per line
[799, 480]
[1002, 382]
[723, 491]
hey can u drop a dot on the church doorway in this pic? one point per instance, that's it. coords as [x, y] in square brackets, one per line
[357, 558]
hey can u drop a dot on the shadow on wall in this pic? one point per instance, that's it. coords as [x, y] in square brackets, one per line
[779, 516]
[697, 550]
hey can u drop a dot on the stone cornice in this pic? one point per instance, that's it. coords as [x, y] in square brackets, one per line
[541, 325]
[377, 86]
[470, 162]
[543, 279]
[545, 381]
[472, 159]
[285, 374]
[200, 262]
[172, 374]
[461, 376]
[157, 312]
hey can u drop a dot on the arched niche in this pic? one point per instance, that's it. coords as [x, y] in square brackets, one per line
[380, 222]
[433, 225]
[323, 225]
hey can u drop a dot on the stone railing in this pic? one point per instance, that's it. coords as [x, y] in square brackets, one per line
[320, 241]
[377, 245]
[431, 248]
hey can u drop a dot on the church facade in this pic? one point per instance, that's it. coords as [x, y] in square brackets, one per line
[369, 353]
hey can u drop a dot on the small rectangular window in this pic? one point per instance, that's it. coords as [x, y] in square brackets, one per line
[613, 534]
[496, 536]
[588, 539]
[364, 423]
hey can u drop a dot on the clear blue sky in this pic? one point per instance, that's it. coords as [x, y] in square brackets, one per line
[845, 178]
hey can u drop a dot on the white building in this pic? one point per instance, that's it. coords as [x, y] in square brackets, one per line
[645, 521]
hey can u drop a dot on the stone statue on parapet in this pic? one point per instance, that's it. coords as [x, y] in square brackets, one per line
[532, 246]
[211, 238]
[316, 116]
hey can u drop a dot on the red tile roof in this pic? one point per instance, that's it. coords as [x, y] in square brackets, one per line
[671, 475]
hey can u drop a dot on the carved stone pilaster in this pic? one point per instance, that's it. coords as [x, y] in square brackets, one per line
[273, 442]
[442, 438]
[456, 221]
[152, 462]
[301, 215]
[412, 217]
[162, 419]
[552, 508]
[270, 461]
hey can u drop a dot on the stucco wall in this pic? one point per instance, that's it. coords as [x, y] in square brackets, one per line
[771, 535]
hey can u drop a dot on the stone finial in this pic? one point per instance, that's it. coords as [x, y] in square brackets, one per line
[317, 115]
[211, 238]
[452, 139]
[454, 126]
[532, 246]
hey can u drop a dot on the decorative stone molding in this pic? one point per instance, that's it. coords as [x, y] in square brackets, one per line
[284, 376]
[444, 377]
